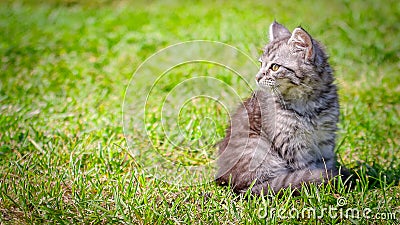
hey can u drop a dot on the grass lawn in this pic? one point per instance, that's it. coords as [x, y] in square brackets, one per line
[82, 140]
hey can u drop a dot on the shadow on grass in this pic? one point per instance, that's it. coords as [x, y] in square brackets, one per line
[375, 176]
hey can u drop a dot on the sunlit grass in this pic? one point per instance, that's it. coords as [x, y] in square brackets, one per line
[65, 67]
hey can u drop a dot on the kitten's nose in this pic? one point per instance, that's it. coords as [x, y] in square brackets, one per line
[259, 76]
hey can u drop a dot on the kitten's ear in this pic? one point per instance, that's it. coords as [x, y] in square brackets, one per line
[277, 31]
[300, 39]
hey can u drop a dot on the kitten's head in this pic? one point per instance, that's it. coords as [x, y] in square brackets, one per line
[293, 64]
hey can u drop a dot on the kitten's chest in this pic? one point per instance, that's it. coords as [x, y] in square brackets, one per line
[291, 126]
[296, 136]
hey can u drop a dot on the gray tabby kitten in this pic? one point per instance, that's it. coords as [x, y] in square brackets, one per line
[284, 134]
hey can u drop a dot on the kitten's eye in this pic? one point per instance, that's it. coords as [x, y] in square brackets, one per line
[274, 67]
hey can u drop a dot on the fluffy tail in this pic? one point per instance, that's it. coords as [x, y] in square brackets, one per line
[294, 180]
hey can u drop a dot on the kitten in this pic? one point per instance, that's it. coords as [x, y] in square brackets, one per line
[284, 134]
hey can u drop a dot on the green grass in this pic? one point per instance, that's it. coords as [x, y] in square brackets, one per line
[65, 67]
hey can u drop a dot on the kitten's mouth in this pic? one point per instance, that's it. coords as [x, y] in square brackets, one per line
[267, 82]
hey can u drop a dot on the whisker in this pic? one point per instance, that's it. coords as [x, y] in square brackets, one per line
[282, 100]
[307, 86]
[279, 96]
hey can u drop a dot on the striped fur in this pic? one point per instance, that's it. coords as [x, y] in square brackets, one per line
[284, 134]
